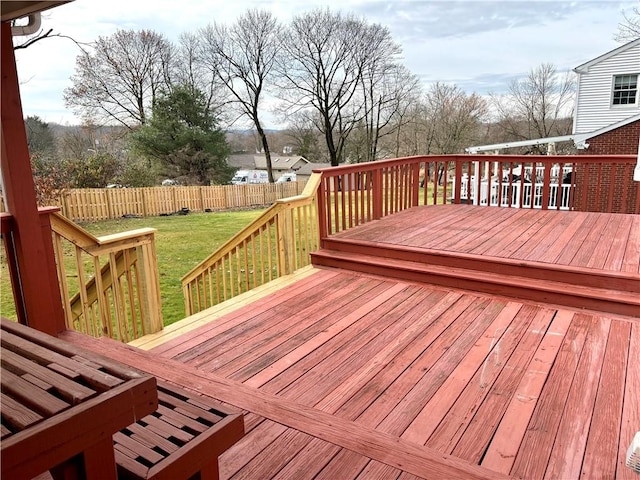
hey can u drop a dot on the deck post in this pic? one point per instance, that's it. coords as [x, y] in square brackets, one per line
[377, 194]
[34, 251]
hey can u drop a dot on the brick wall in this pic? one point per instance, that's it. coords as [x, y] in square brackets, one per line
[598, 178]
[621, 141]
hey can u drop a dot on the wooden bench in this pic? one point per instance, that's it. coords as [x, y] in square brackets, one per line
[181, 439]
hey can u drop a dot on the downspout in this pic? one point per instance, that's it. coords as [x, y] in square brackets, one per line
[636, 171]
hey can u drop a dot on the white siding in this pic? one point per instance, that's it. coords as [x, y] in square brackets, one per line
[594, 110]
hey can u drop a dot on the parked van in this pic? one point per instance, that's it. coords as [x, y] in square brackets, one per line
[245, 177]
[287, 177]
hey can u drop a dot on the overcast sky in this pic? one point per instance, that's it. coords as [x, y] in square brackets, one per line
[478, 45]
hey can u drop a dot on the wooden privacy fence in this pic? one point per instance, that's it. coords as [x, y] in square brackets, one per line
[93, 204]
[276, 243]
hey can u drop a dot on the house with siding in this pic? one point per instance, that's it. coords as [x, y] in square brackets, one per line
[607, 112]
[606, 122]
[280, 164]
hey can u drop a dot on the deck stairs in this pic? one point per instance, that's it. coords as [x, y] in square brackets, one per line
[604, 291]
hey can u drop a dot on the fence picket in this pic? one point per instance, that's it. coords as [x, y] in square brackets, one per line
[94, 204]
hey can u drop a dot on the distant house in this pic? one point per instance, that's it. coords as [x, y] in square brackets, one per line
[280, 164]
[607, 112]
[306, 170]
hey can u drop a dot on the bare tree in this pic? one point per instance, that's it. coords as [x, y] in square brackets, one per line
[191, 69]
[453, 118]
[119, 80]
[629, 28]
[322, 68]
[536, 105]
[243, 57]
[303, 133]
[388, 93]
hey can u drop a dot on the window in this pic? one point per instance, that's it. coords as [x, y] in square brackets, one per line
[625, 90]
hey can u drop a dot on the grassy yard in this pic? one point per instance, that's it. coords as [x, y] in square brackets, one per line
[181, 243]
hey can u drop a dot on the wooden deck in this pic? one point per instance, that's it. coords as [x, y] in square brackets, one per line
[597, 241]
[346, 375]
[515, 388]
[576, 259]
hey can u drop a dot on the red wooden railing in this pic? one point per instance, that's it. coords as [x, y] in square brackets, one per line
[352, 195]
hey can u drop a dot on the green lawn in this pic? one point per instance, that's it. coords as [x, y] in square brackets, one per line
[181, 243]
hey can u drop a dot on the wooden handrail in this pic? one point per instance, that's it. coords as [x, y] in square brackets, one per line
[351, 195]
[121, 298]
[269, 247]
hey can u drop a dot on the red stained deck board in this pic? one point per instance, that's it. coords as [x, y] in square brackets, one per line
[282, 337]
[478, 434]
[378, 471]
[436, 409]
[239, 326]
[568, 449]
[353, 347]
[575, 244]
[371, 405]
[310, 354]
[268, 325]
[546, 247]
[392, 358]
[313, 458]
[278, 451]
[546, 232]
[466, 241]
[505, 443]
[451, 429]
[480, 316]
[185, 342]
[631, 262]
[539, 437]
[249, 447]
[601, 454]
[398, 376]
[615, 258]
[345, 464]
[603, 247]
[591, 241]
[561, 237]
[279, 359]
[630, 423]
[508, 233]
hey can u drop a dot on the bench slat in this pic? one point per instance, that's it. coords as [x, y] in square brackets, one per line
[179, 439]
[151, 439]
[32, 396]
[137, 448]
[16, 415]
[194, 408]
[165, 429]
[179, 420]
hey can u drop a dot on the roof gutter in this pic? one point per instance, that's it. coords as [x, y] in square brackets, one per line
[32, 26]
[577, 139]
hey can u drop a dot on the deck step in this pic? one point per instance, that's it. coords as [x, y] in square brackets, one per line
[616, 301]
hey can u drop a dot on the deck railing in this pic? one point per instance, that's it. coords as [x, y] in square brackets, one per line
[275, 244]
[351, 195]
[109, 285]
[280, 241]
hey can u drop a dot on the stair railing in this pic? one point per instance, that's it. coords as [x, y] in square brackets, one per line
[109, 284]
[277, 243]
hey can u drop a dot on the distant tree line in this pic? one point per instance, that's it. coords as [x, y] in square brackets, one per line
[335, 80]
